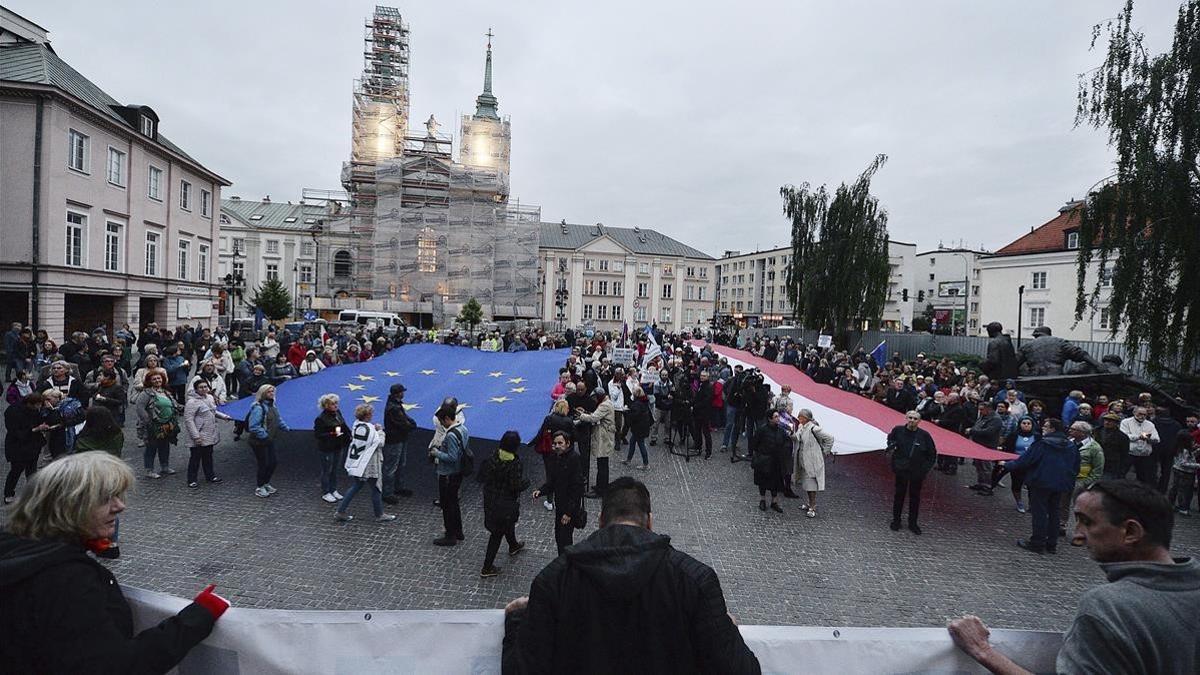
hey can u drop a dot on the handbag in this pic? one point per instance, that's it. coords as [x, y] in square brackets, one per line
[544, 443]
[579, 520]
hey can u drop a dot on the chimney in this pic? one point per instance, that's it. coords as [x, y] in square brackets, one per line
[235, 198]
[267, 199]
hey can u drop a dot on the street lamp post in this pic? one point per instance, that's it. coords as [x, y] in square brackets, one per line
[235, 285]
[560, 301]
[1020, 309]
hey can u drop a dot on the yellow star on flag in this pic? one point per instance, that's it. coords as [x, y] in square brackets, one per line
[353, 387]
[518, 390]
[428, 372]
[364, 378]
[391, 373]
[368, 399]
[516, 380]
[495, 374]
[499, 399]
[465, 372]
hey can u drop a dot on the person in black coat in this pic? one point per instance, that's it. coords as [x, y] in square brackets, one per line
[23, 440]
[565, 483]
[702, 413]
[773, 449]
[60, 610]
[503, 479]
[624, 601]
[333, 437]
[913, 455]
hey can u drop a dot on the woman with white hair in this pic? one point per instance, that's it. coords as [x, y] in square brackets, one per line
[812, 444]
[63, 612]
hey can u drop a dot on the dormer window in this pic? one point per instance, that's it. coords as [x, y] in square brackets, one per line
[1072, 240]
[147, 126]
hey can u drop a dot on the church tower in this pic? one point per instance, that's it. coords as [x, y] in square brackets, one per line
[486, 137]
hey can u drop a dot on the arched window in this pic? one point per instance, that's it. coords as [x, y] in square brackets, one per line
[342, 264]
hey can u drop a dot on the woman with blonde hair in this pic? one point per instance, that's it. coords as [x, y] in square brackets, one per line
[162, 424]
[136, 391]
[333, 436]
[63, 612]
[364, 463]
[264, 424]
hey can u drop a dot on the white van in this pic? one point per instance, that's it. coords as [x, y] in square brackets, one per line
[389, 322]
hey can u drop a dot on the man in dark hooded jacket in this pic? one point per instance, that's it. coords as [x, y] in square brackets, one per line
[624, 580]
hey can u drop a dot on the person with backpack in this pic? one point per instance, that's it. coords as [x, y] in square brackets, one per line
[454, 459]
[264, 424]
[162, 424]
[364, 462]
[61, 414]
[503, 479]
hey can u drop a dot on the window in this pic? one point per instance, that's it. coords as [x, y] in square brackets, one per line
[687, 316]
[669, 270]
[1039, 280]
[79, 157]
[589, 287]
[771, 261]
[239, 269]
[257, 216]
[154, 183]
[272, 271]
[223, 244]
[426, 250]
[239, 245]
[342, 264]
[185, 195]
[666, 291]
[616, 288]
[644, 268]
[616, 312]
[603, 265]
[639, 314]
[307, 248]
[224, 219]
[272, 247]
[1037, 316]
[602, 312]
[116, 167]
[690, 292]
[932, 261]
[975, 291]
[618, 266]
[587, 311]
[152, 254]
[147, 126]
[703, 272]
[691, 271]
[202, 262]
[975, 273]
[974, 306]
[306, 274]
[184, 254]
[700, 293]
[603, 287]
[205, 203]
[1072, 240]
[643, 289]
[666, 315]
[76, 236]
[588, 264]
[931, 276]
[289, 219]
[1106, 276]
[1104, 318]
[112, 247]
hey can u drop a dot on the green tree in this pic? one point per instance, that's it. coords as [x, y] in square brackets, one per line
[1141, 225]
[471, 314]
[924, 321]
[837, 276]
[273, 299]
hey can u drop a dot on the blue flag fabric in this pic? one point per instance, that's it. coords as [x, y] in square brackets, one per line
[502, 391]
[880, 354]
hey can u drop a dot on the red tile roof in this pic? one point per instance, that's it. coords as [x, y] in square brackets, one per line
[1051, 236]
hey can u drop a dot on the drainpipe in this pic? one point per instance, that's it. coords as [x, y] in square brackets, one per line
[35, 291]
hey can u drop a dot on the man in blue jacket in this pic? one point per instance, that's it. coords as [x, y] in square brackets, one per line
[1052, 464]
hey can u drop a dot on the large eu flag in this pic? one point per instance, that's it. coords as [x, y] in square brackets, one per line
[501, 391]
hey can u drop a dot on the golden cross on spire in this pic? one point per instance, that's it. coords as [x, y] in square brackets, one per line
[489, 37]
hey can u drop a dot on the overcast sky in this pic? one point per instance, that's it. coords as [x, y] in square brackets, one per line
[685, 117]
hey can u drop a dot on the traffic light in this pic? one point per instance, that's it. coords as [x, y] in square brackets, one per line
[904, 295]
[920, 296]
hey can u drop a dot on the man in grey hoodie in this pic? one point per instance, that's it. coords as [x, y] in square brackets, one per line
[1144, 620]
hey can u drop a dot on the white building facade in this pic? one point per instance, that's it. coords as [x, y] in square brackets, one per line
[948, 280]
[104, 221]
[1043, 264]
[614, 275]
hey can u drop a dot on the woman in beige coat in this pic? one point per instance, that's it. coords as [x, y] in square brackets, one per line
[604, 438]
[812, 445]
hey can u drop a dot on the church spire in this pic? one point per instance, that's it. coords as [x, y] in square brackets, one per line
[485, 103]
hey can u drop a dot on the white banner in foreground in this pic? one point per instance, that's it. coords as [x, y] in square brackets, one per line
[468, 641]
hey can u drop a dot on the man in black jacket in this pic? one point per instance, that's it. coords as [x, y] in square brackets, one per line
[986, 432]
[565, 483]
[397, 425]
[913, 455]
[622, 581]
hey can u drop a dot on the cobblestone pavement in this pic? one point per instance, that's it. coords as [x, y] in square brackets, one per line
[844, 567]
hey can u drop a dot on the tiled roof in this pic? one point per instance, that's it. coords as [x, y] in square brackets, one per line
[1049, 237]
[640, 241]
[274, 214]
[37, 64]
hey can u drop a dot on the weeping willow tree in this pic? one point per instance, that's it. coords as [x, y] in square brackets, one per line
[838, 273]
[1142, 225]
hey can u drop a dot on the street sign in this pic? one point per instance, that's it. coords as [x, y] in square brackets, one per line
[637, 304]
[310, 315]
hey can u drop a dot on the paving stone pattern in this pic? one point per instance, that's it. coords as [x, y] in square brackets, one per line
[843, 568]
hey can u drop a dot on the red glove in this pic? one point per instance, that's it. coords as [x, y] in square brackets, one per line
[215, 604]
